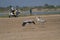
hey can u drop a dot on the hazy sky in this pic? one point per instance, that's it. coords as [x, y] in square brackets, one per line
[21, 3]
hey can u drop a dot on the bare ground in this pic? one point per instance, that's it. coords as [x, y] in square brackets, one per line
[11, 28]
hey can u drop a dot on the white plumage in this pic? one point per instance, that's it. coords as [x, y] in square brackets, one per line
[41, 20]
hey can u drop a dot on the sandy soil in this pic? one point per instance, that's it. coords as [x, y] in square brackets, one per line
[11, 28]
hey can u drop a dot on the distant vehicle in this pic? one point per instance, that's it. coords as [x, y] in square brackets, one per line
[13, 12]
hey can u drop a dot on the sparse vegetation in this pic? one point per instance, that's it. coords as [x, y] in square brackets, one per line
[39, 8]
[28, 8]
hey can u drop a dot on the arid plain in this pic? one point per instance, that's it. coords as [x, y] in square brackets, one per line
[12, 29]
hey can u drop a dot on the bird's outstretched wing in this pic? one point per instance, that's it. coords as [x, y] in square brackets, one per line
[24, 23]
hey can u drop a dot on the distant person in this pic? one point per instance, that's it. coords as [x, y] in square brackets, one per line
[30, 11]
[12, 10]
